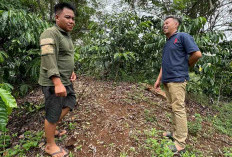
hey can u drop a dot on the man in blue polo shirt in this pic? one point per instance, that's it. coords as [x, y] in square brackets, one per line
[179, 53]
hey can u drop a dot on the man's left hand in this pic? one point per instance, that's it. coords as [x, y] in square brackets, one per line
[73, 77]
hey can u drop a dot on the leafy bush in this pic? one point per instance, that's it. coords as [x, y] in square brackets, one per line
[213, 71]
[20, 33]
[123, 45]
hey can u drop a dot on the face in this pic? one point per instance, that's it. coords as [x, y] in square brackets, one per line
[170, 26]
[65, 19]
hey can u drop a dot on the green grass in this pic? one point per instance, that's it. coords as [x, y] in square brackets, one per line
[222, 121]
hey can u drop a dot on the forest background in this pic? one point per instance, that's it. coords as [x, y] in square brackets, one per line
[123, 45]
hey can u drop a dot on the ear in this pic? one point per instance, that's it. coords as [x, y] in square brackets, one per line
[56, 17]
[176, 24]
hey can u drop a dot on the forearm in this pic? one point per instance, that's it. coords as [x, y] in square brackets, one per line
[160, 75]
[60, 89]
[194, 58]
[158, 80]
[56, 80]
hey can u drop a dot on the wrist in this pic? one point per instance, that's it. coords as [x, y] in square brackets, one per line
[56, 81]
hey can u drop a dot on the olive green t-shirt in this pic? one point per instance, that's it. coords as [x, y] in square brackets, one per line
[57, 56]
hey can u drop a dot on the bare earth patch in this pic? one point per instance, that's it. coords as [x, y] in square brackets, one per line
[110, 119]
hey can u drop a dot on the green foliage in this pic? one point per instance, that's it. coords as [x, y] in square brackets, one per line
[30, 107]
[72, 126]
[214, 73]
[191, 8]
[3, 115]
[10, 4]
[228, 152]
[192, 26]
[4, 141]
[7, 102]
[160, 147]
[20, 33]
[223, 120]
[24, 88]
[3, 56]
[195, 126]
[83, 18]
[123, 154]
[123, 44]
[150, 117]
[157, 148]
[29, 140]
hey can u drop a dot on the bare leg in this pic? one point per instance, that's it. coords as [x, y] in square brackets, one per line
[63, 113]
[51, 146]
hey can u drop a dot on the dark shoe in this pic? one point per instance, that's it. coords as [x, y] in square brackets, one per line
[169, 135]
[175, 151]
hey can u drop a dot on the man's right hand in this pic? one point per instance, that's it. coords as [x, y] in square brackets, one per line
[157, 85]
[60, 90]
[158, 81]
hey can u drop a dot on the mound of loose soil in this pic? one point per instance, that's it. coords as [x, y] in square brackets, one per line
[110, 119]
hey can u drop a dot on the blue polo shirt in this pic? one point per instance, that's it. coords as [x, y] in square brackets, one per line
[175, 57]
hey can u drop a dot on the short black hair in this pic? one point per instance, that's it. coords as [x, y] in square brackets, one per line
[60, 6]
[178, 19]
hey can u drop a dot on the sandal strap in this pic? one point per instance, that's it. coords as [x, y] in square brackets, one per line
[58, 152]
[67, 152]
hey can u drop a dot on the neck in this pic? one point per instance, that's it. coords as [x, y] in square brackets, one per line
[168, 35]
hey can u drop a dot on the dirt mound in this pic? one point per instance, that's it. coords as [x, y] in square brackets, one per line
[110, 120]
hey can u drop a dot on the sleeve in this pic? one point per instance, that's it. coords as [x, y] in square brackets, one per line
[48, 46]
[189, 44]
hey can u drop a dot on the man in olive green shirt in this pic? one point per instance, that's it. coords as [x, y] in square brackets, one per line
[57, 74]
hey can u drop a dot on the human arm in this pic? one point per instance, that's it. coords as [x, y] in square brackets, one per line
[158, 80]
[60, 90]
[194, 58]
[49, 53]
[191, 48]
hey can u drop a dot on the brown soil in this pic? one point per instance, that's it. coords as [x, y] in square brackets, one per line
[110, 119]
